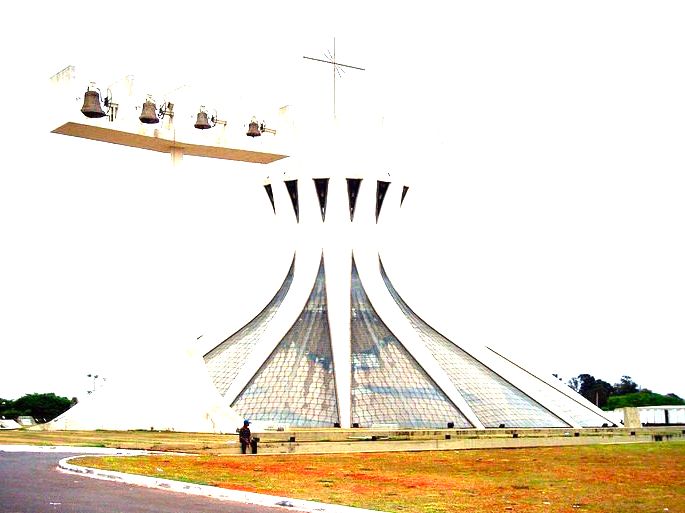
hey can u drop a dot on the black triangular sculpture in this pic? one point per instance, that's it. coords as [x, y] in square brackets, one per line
[353, 185]
[291, 185]
[381, 190]
[404, 193]
[270, 192]
[321, 185]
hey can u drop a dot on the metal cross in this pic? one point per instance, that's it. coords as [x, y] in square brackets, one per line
[338, 69]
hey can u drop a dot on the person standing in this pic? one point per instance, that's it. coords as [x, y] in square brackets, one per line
[245, 436]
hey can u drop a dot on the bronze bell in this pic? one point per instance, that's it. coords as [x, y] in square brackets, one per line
[202, 122]
[91, 105]
[253, 129]
[149, 114]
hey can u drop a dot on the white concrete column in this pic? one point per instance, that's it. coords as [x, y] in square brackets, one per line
[176, 153]
[338, 260]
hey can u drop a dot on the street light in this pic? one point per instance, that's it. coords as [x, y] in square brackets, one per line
[94, 376]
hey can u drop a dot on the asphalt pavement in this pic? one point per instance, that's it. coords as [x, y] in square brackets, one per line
[30, 482]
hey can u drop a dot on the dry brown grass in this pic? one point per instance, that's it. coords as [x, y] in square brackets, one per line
[631, 478]
[149, 440]
[628, 478]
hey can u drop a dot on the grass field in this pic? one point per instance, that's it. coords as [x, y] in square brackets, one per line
[630, 478]
[148, 440]
[626, 478]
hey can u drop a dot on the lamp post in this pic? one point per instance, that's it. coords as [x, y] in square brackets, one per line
[95, 377]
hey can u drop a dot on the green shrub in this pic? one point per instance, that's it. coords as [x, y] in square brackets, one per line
[643, 398]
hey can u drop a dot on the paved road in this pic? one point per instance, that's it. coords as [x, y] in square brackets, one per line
[31, 483]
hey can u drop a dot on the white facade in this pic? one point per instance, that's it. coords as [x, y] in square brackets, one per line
[657, 415]
[171, 393]
[9, 424]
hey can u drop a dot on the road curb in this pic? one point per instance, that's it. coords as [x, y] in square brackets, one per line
[208, 491]
[72, 449]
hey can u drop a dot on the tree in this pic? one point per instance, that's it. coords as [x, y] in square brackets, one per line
[582, 383]
[7, 410]
[626, 386]
[42, 407]
[600, 393]
[622, 394]
[575, 383]
[596, 391]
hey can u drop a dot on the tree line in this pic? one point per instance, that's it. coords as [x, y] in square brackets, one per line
[619, 395]
[42, 407]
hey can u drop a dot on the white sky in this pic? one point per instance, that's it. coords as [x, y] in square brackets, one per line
[544, 143]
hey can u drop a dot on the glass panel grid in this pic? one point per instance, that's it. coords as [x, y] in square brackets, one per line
[296, 385]
[227, 359]
[565, 405]
[494, 400]
[388, 385]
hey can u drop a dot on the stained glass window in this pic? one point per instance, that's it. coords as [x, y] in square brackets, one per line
[388, 385]
[226, 359]
[559, 401]
[296, 384]
[494, 400]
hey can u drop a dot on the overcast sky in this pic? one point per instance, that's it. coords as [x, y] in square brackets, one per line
[544, 143]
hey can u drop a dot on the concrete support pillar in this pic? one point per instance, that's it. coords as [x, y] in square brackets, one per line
[176, 155]
[631, 418]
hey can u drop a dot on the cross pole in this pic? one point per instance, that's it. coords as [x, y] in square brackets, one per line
[336, 69]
